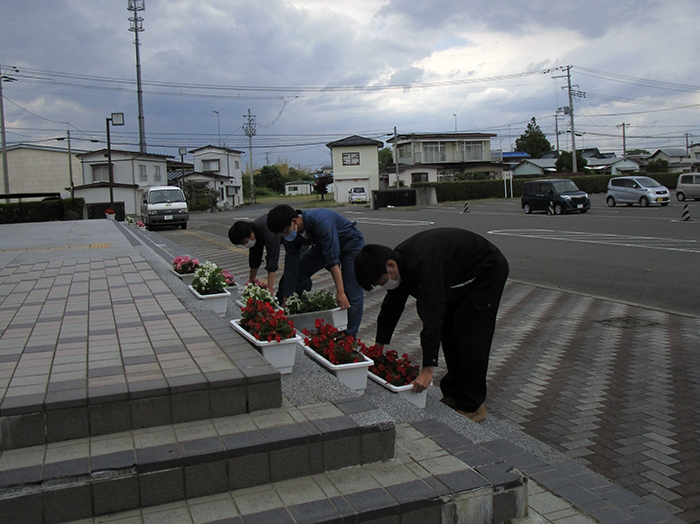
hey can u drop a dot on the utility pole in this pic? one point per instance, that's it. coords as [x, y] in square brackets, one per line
[70, 166]
[572, 94]
[5, 172]
[396, 157]
[624, 140]
[249, 130]
[136, 27]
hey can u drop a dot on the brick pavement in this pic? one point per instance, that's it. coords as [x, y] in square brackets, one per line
[613, 386]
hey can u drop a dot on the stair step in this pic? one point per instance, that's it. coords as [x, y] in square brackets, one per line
[104, 474]
[206, 370]
[423, 484]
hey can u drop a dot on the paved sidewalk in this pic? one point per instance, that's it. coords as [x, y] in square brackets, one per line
[66, 285]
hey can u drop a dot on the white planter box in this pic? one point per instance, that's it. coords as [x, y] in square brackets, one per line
[280, 354]
[234, 290]
[335, 317]
[185, 277]
[353, 375]
[216, 301]
[405, 392]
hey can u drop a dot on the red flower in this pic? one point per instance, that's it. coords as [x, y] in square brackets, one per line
[334, 345]
[262, 321]
[387, 365]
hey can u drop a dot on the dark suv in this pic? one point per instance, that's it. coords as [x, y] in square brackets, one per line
[559, 196]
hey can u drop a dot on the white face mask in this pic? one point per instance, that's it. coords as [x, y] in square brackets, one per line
[392, 284]
[250, 244]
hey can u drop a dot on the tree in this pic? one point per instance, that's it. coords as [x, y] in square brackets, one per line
[533, 141]
[386, 157]
[637, 152]
[321, 184]
[657, 166]
[564, 163]
[270, 177]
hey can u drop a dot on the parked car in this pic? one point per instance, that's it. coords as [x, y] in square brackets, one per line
[688, 186]
[164, 206]
[640, 190]
[357, 194]
[563, 196]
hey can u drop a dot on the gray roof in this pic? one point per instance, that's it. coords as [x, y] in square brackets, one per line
[355, 140]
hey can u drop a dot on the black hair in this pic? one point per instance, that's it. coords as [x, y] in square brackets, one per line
[370, 264]
[280, 217]
[239, 231]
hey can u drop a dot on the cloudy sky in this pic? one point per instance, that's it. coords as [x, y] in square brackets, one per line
[314, 71]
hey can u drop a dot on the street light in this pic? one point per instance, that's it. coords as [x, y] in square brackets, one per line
[117, 119]
[70, 165]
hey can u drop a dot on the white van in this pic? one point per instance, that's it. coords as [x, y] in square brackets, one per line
[688, 187]
[164, 206]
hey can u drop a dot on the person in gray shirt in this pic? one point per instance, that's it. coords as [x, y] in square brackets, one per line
[256, 237]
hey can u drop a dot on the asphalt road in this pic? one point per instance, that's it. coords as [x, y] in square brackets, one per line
[640, 256]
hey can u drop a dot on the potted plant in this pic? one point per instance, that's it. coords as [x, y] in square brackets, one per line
[140, 224]
[209, 284]
[258, 291]
[339, 353]
[231, 285]
[395, 373]
[269, 330]
[183, 266]
[306, 308]
[110, 214]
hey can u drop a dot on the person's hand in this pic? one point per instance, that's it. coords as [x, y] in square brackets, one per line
[423, 380]
[342, 300]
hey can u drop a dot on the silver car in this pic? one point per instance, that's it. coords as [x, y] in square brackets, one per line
[640, 190]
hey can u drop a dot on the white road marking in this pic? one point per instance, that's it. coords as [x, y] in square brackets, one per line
[667, 244]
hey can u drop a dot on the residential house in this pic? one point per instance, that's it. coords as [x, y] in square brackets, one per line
[694, 152]
[220, 169]
[441, 157]
[132, 172]
[678, 158]
[355, 164]
[41, 169]
[300, 187]
[598, 163]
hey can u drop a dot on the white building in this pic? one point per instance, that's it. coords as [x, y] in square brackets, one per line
[355, 164]
[132, 173]
[441, 157]
[41, 169]
[220, 168]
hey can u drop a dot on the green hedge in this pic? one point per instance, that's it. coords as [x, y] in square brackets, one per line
[42, 210]
[479, 189]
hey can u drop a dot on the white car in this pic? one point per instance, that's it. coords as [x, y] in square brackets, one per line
[357, 194]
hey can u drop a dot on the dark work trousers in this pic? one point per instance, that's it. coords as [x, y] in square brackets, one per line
[313, 261]
[467, 334]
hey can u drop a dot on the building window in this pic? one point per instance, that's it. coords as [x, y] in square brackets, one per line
[100, 173]
[433, 152]
[237, 164]
[210, 166]
[419, 177]
[351, 159]
[405, 151]
[157, 176]
[143, 174]
[472, 151]
[446, 177]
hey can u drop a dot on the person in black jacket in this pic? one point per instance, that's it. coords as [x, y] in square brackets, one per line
[256, 237]
[457, 278]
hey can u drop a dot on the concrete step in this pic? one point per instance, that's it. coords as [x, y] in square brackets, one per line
[423, 484]
[141, 468]
[178, 367]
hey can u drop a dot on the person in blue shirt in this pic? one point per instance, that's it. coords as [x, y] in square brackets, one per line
[333, 242]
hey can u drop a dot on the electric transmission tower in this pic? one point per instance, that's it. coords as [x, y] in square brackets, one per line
[249, 130]
[136, 27]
